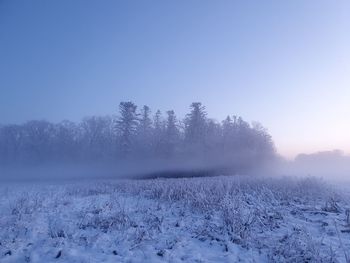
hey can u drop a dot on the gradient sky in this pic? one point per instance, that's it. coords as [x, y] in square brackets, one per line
[283, 63]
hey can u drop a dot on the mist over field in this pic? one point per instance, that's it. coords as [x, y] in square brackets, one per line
[136, 143]
[143, 187]
[332, 165]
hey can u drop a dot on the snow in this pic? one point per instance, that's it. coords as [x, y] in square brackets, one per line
[212, 219]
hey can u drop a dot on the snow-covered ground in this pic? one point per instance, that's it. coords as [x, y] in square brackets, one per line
[212, 219]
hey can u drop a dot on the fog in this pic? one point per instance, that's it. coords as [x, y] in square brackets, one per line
[135, 143]
[139, 144]
[180, 167]
[187, 166]
[331, 165]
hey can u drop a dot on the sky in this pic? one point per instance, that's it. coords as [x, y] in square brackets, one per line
[285, 64]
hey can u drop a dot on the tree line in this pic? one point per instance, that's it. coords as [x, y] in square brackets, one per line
[137, 134]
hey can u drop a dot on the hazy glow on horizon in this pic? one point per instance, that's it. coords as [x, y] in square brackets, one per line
[285, 64]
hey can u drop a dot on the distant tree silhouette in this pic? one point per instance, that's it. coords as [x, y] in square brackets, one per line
[171, 134]
[195, 124]
[126, 125]
[233, 143]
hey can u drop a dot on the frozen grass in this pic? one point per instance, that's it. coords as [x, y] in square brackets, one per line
[216, 219]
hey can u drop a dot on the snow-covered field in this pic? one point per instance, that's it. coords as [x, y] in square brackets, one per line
[216, 219]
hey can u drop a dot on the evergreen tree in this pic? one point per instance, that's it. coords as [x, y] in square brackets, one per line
[158, 134]
[157, 120]
[126, 126]
[172, 133]
[145, 124]
[144, 132]
[228, 127]
[195, 124]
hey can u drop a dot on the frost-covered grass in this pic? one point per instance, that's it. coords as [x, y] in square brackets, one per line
[216, 219]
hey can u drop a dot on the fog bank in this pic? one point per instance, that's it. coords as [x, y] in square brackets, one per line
[332, 165]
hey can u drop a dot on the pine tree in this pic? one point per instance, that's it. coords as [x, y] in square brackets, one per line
[158, 133]
[145, 124]
[126, 126]
[195, 124]
[157, 120]
[172, 133]
[228, 127]
[144, 132]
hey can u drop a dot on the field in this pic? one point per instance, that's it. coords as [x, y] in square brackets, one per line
[209, 219]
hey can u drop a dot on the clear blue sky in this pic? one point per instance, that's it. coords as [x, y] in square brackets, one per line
[283, 63]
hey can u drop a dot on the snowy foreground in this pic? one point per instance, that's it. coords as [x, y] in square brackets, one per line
[216, 219]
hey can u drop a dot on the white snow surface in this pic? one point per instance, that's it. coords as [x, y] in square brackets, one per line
[208, 219]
